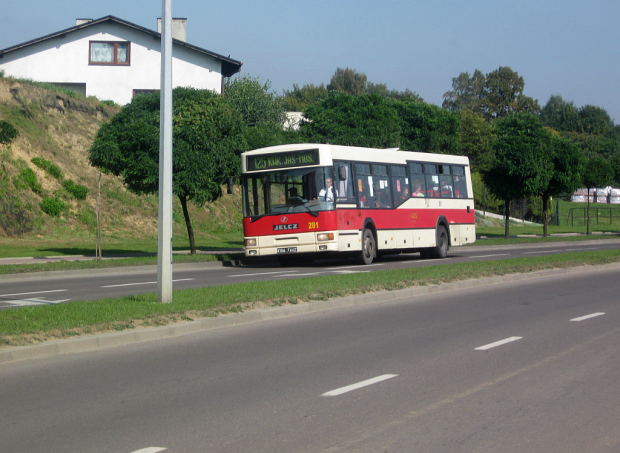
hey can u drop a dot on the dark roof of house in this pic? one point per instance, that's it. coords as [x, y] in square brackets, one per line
[229, 66]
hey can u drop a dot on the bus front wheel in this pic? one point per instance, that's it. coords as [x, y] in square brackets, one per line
[369, 247]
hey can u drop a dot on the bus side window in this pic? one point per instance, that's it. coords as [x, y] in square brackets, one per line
[445, 182]
[418, 184]
[365, 192]
[400, 184]
[460, 185]
[432, 180]
[381, 186]
[344, 186]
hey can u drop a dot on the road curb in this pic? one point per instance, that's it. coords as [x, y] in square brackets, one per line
[115, 339]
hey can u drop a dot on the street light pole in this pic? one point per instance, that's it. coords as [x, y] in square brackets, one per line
[164, 242]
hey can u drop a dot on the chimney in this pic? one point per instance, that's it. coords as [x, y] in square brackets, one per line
[179, 28]
[82, 21]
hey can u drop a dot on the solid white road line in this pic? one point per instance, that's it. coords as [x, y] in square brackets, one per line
[497, 343]
[36, 292]
[486, 256]
[261, 273]
[348, 267]
[150, 450]
[146, 283]
[593, 315]
[542, 251]
[299, 275]
[366, 383]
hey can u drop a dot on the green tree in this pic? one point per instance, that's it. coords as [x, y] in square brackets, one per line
[207, 139]
[8, 133]
[560, 115]
[567, 163]
[596, 173]
[253, 99]
[522, 166]
[476, 137]
[503, 93]
[343, 119]
[348, 81]
[428, 128]
[298, 99]
[594, 120]
[383, 90]
[466, 92]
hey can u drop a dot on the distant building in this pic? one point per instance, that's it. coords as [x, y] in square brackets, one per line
[113, 59]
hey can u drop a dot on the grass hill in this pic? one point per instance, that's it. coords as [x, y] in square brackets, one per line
[48, 190]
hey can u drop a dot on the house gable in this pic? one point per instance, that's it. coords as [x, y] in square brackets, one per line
[65, 58]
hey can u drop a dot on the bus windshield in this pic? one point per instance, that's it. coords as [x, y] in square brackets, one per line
[288, 191]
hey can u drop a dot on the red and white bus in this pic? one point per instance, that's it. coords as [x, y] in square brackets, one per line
[305, 201]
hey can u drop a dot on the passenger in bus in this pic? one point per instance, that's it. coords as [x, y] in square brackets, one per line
[446, 190]
[382, 200]
[460, 189]
[417, 192]
[404, 195]
[328, 193]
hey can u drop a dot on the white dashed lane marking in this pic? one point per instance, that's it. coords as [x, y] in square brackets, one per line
[150, 450]
[583, 318]
[497, 343]
[359, 385]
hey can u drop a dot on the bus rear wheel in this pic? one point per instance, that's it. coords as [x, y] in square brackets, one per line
[369, 248]
[443, 243]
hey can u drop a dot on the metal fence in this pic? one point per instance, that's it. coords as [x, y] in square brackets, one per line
[603, 215]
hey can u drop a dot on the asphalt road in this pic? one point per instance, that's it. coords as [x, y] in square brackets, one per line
[59, 287]
[524, 367]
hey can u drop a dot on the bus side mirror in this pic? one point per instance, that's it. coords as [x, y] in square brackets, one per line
[342, 173]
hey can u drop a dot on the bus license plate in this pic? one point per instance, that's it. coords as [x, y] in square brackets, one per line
[287, 250]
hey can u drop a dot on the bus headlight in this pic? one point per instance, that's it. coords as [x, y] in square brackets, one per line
[249, 242]
[325, 237]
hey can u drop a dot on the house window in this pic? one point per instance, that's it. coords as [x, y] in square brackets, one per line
[109, 53]
[138, 92]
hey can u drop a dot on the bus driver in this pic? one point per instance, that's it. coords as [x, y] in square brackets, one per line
[327, 194]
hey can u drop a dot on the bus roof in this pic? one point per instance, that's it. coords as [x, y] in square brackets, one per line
[330, 153]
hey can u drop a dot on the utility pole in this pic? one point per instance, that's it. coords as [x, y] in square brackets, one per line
[164, 241]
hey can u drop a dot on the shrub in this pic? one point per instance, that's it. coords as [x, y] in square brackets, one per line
[53, 206]
[77, 190]
[8, 133]
[28, 179]
[49, 167]
[14, 219]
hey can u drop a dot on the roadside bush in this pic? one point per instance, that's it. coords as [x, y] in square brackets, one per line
[53, 206]
[77, 190]
[49, 167]
[28, 179]
[14, 218]
[8, 133]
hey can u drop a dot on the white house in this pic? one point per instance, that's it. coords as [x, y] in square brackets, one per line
[113, 59]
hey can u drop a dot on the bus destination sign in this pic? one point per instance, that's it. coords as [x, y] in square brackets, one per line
[282, 160]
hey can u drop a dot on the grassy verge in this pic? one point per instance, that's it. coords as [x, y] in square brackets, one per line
[30, 325]
[498, 239]
[6, 269]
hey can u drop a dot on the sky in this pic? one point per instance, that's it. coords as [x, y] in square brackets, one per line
[568, 47]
